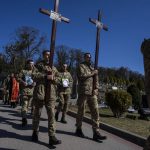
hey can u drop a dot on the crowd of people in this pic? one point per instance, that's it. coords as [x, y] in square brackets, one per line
[39, 84]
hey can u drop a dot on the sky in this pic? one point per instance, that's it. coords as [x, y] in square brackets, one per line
[128, 22]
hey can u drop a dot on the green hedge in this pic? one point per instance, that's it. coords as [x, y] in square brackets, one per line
[118, 101]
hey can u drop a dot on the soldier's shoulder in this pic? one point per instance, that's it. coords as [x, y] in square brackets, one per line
[68, 73]
[23, 71]
[54, 68]
[39, 63]
[82, 64]
[35, 69]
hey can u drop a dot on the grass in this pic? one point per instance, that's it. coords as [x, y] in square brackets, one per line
[137, 126]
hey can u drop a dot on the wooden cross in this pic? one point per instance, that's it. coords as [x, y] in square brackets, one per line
[56, 17]
[99, 26]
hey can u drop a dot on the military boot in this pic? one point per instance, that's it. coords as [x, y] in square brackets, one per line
[97, 136]
[24, 122]
[56, 115]
[54, 141]
[35, 136]
[79, 133]
[63, 120]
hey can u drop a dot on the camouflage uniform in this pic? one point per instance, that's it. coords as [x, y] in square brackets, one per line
[27, 91]
[40, 100]
[64, 92]
[85, 92]
[6, 90]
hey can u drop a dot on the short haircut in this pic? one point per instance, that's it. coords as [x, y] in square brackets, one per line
[85, 54]
[45, 51]
[30, 61]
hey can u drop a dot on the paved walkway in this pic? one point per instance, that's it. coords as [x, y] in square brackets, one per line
[14, 137]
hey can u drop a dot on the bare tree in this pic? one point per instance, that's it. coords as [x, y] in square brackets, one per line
[30, 41]
[62, 55]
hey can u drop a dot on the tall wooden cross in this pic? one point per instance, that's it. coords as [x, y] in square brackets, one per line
[56, 17]
[99, 26]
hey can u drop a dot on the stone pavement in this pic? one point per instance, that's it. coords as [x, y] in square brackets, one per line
[14, 137]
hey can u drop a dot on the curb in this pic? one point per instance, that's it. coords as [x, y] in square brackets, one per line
[134, 138]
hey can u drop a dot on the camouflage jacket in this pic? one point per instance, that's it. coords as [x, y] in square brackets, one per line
[41, 81]
[65, 78]
[85, 79]
[25, 76]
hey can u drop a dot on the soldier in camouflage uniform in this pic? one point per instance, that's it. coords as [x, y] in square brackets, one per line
[42, 78]
[85, 74]
[27, 85]
[64, 91]
[6, 89]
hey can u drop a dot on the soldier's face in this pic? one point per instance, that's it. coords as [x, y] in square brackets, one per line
[65, 67]
[88, 58]
[46, 56]
[30, 65]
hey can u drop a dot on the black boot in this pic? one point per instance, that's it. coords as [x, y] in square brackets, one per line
[63, 120]
[24, 122]
[79, 133]
[5, 102]
[14, 105]
[35, 136]
[54, 141]
[56, 115]
[97, 136]
[11, 104]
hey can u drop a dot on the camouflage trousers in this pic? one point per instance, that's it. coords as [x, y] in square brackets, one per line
[93, 106]
[50, 108]
[26, 102]
[63, 103]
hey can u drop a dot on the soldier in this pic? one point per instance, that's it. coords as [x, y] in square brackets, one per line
[27, 85]
[41, 78]
[64, 91]
[6, 89]
[85, 74]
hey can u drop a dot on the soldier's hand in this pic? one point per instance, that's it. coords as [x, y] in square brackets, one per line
[95, 92]
[25, 84]
[34, 84]
[4, 91]
[48, 69]
[50, 77]
[95, 72]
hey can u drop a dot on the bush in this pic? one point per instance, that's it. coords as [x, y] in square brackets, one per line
[136, 96]
[118, 101]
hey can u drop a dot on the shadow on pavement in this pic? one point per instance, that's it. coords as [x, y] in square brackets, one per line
[6, 148]
[14, 125]
[106, 115]
[6, 134]
[73, 134]
[9, 111]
